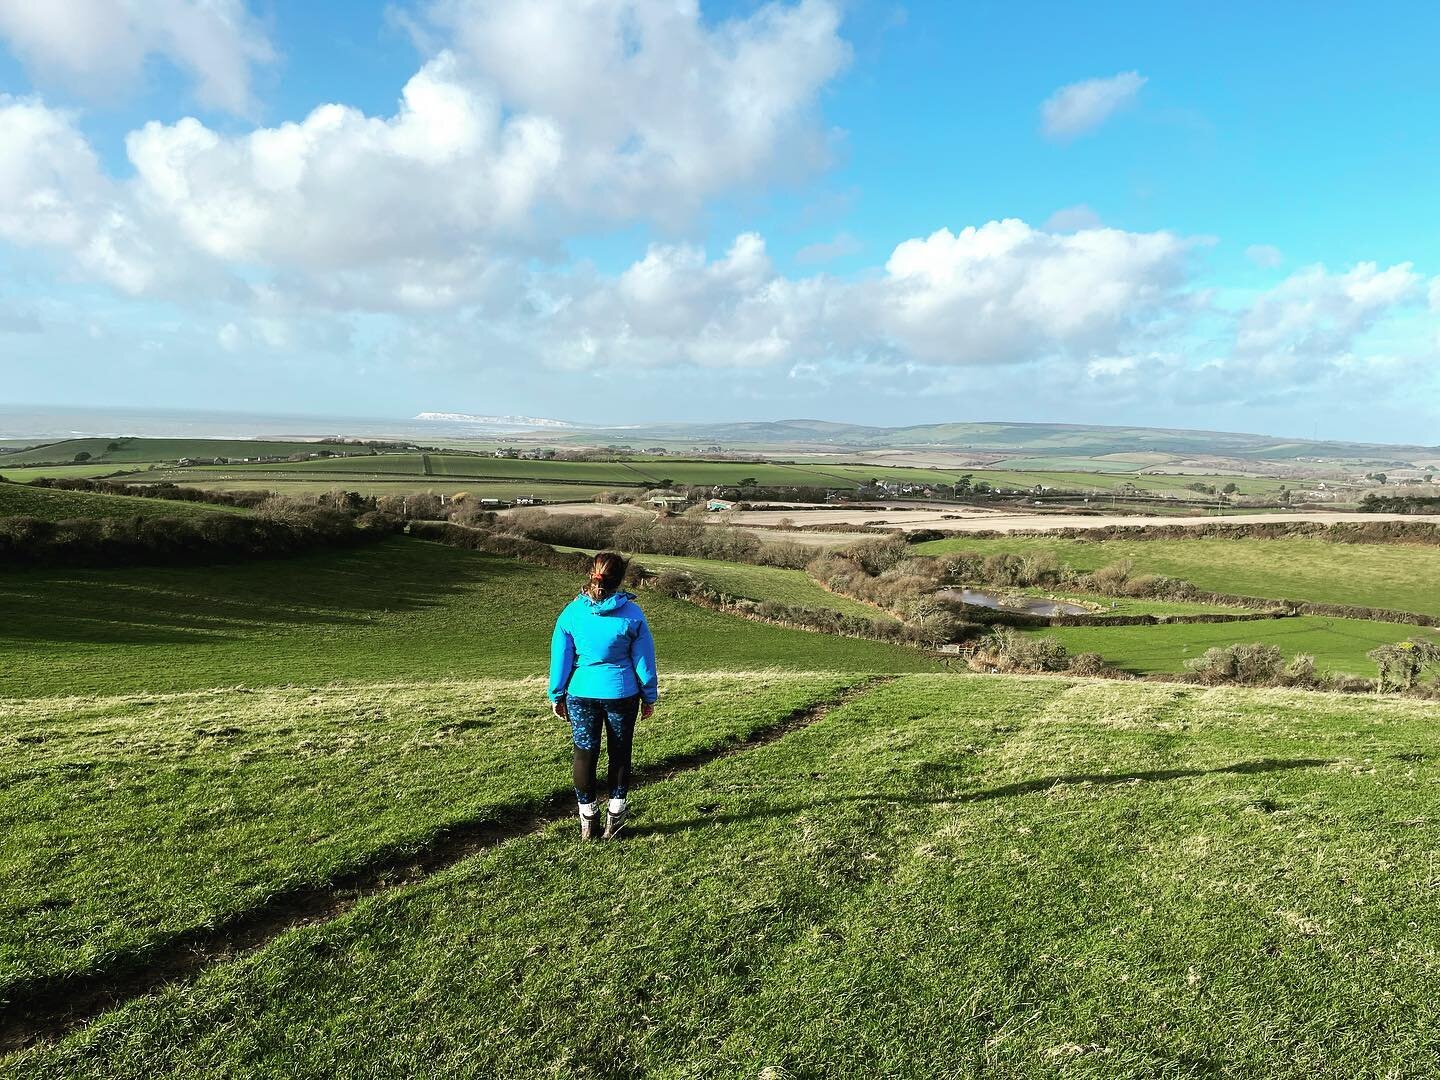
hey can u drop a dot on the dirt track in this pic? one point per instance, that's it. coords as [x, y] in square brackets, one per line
[1003, 522]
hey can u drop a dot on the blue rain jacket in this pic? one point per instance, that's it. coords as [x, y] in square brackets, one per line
[603, 650]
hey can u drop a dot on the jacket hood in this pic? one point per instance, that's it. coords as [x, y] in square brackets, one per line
[613, 602]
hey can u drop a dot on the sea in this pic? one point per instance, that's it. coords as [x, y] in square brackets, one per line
[47, 423]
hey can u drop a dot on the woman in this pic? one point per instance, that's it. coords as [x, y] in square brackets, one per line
[602, 672]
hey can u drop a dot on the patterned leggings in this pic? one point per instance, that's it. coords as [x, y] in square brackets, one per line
[587, 717]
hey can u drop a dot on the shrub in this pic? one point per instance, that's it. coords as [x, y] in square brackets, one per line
[1255, 664]
[1089, 663]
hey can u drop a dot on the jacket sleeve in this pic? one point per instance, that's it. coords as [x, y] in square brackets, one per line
[642, 652]
[562, 660]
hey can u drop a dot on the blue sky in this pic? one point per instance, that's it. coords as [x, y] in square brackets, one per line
[1199, 215]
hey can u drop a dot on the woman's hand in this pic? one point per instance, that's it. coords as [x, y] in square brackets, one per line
[647, 710]
[558, 708]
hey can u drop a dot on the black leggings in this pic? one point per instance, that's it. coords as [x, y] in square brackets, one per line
[587, 716]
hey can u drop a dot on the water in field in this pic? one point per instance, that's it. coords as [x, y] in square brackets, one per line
[1025, 605]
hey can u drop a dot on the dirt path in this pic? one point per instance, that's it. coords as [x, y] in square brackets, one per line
[1011, 522]
[50, 1009]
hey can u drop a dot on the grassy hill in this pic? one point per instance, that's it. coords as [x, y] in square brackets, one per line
[399, 610]
[23, 500]
[942, 877]
[129, 451]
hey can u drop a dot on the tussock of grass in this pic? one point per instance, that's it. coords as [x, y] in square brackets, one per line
[946, 877]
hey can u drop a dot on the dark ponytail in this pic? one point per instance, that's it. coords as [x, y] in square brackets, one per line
[606, 574]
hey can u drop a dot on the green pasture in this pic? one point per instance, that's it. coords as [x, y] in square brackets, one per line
[21, 500]
[792, 587]
[1401, 577]
[24, 474]
[317, 483]
[130, 820]
[1338, 645]
[397, 610]
[135, 450]
[945, 877]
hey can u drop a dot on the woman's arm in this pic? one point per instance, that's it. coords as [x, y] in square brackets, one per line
[642, 652]
[562, 661]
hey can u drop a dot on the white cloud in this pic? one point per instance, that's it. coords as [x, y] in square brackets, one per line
[842, 246]
[1435, 295]
[1003, 293]
[98, 46]
[1081, 107]
[1072, 219]
[1314, 314]
[641, 112]
[1264, 256]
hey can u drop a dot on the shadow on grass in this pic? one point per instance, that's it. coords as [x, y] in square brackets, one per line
[1007, 791]
[183, 605]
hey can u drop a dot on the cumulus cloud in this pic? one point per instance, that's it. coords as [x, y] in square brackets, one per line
[641, 111]
[1002, 293]
[1264, 256]
[98, 45]
[1316, 314]
[1081, 107]
[842, 246]
[1072, 219]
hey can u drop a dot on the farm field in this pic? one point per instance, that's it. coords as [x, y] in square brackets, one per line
[131, 451]
[1395, 576]
[24, 474]
[316, 483]
[397, 610]
[964, 876]
[1338, 645]
[133, 820]
[657, 471]
[26, 501]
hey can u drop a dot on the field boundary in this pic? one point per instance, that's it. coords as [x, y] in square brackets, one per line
[47, 1009]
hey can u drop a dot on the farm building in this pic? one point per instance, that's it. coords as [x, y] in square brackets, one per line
[669, 502]
[717, 505]
[528, 500]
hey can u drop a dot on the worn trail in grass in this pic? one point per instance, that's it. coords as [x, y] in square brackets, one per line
[129, 822]
[944, 877]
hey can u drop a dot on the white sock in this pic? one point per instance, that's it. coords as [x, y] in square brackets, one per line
[617, 806]
[587, 809]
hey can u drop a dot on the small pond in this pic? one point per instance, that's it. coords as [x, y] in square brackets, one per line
[1025, 605]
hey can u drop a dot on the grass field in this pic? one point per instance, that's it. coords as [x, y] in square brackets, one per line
[23, 500]
[655, 471]
[793, 587]
[401, 610]
[24, 475]
[315, 483]
[129, 451]
[132, 820]
[945, 877]
[1338, 645]
[1396, 576]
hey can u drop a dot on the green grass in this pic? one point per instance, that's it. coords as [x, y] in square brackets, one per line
[947, 877]
[132, 451]
[652, 471]
[65, 472]
[402, 610]
[1338, 645]
[315, 483]
[23, 500]
[1401, 577]
[792, 587]
[131, 820]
